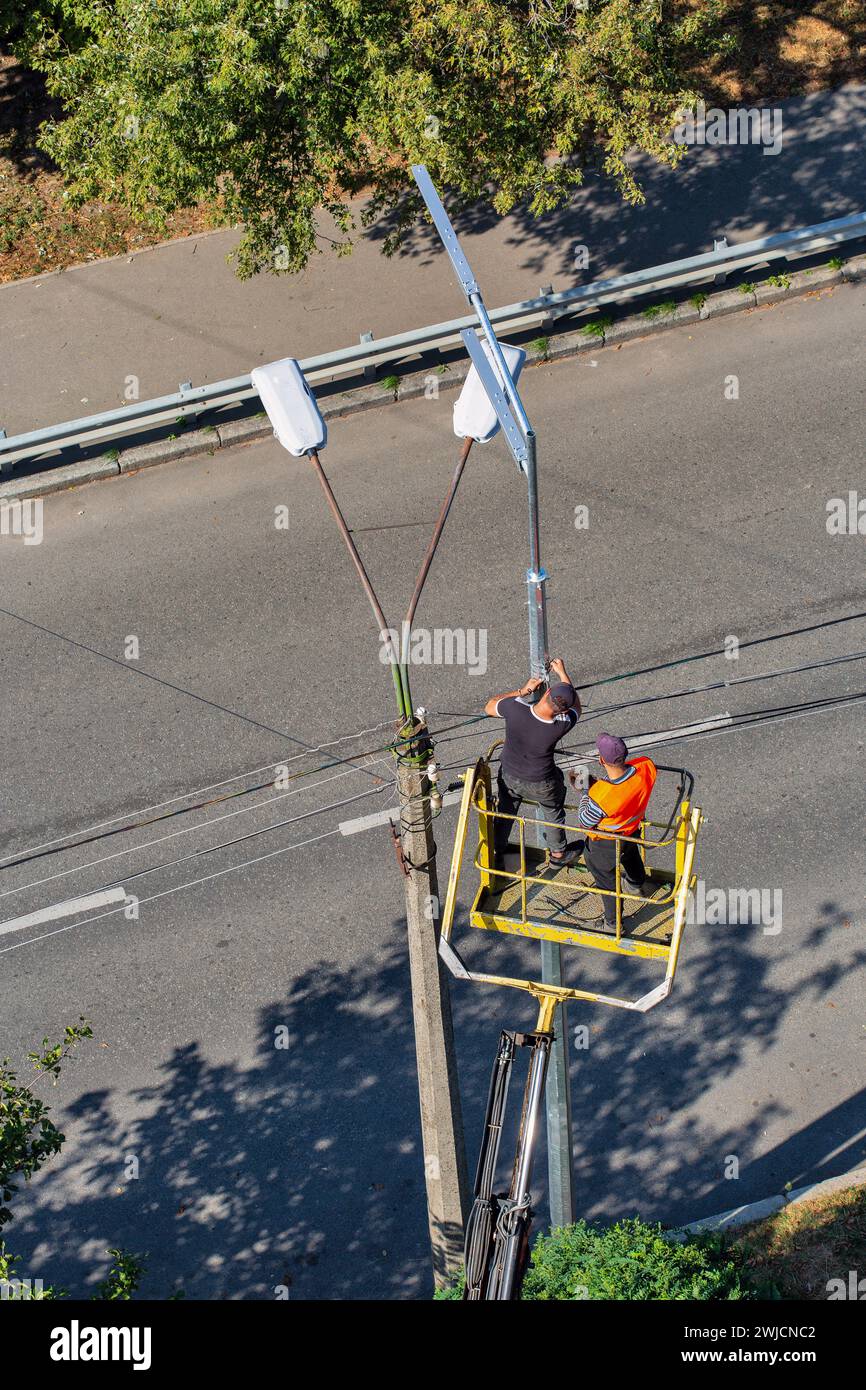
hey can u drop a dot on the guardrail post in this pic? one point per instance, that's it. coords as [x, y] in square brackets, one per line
[720, 244]
[369, 371]
[548, 318]
[185, 387]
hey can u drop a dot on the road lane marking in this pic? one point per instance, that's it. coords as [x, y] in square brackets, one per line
[353, 827]
[718, 721]
[64, 909]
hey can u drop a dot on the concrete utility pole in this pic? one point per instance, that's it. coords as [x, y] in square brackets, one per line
[299, 426]
[441, 1117]
[438, 1087]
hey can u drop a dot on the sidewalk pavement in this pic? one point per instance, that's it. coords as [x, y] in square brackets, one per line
[76, 342]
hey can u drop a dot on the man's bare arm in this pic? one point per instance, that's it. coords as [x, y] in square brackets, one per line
[490, 707]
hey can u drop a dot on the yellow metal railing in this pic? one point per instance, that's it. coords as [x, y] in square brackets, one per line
[680, 832]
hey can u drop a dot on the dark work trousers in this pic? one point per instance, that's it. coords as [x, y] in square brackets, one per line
[600, 858]
[550, 796]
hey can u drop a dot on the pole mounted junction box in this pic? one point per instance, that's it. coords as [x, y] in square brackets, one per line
[291, 406]
[475, 416]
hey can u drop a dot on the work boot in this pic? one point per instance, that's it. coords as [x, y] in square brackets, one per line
[570, 856]
[642, 889]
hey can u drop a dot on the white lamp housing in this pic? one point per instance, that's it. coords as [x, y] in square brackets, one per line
[291, 406]
[474, 416]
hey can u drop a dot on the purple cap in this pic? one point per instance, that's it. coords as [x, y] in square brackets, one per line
[562, 695]
[611, 748]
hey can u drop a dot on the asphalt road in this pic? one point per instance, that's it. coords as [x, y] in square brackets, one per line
[259, 1165]
[78, 342]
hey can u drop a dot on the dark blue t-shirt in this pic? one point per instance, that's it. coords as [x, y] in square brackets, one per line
[530, 739]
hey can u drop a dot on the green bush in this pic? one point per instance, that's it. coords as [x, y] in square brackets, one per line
[630, 1261]
[627, 1262]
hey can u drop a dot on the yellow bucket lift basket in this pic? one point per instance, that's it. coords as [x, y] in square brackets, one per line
[536, 898]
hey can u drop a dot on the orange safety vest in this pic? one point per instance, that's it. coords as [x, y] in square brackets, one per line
[624, 803]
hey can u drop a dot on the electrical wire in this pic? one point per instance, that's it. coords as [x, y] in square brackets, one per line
[744, 719]
[158, 680]
[725, 684]
[702, 656]
[748, 719]
[228, 844]
[214, 786]
[161, 839]
[164, 893]
[588, 713]
[56, 847]
[61, 843]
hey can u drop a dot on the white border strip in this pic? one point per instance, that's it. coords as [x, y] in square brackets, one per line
[353, 827]
[64, 909]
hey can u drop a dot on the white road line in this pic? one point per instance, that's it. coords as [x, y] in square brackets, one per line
[64, 909]
[718, 721]
[353, 827]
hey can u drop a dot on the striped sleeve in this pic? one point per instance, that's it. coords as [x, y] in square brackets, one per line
[589, 813]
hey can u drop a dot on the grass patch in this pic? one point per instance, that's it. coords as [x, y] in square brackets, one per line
[390, 383]
[778, 51]
[598, 327]
[657, 311]
[747, 287]
[698, 301]
[38, 230]
[835, 262]
[780, 281]
[799, 1250]
[540, 346]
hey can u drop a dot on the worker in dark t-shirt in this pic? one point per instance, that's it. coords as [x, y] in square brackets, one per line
[527, 770]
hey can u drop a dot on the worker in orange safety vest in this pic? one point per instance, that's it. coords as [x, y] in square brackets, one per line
[615, 803]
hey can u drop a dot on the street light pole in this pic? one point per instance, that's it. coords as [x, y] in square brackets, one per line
[503, 395]
[536, 577]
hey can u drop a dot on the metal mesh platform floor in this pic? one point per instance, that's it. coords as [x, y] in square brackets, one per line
[561, 901]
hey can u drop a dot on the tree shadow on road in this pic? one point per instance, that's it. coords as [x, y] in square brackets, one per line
[305, 1172]
[819, 173]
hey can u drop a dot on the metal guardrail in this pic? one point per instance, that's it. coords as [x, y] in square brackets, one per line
[371, 353]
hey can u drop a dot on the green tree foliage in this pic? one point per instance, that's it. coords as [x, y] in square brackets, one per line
[280, 108]
[28, 1138]
[122, 1280]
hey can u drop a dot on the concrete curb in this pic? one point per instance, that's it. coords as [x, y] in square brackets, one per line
[758, 1211]
[603, 334]
[58, 479]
